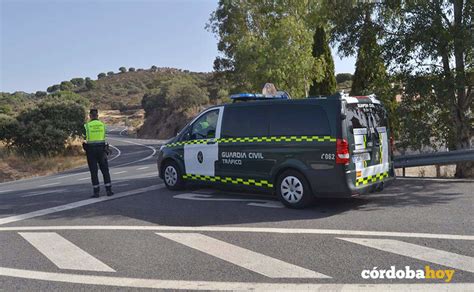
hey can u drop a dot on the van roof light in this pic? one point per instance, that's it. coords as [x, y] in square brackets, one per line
[269, 92]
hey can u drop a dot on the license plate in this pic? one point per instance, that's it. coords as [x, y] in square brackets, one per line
[360, 157]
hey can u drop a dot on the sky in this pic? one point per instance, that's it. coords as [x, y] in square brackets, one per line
[44, 42]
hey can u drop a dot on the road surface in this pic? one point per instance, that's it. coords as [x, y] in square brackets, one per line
[54, 237]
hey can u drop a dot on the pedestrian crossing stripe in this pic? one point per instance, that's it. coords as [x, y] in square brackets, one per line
[66, 255]
[229, 180]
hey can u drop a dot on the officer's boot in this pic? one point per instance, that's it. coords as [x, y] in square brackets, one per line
[96, 192]
[108, 189]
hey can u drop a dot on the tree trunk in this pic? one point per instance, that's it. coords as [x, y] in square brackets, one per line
[461, 118]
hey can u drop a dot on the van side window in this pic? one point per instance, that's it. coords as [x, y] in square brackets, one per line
[299, 120]
[245, 121]
[205, 126]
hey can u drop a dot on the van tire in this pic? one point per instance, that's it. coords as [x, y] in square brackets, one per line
[293, 190]
[172, 176]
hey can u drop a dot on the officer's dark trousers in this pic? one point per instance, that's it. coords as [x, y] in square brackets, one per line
[96, 158]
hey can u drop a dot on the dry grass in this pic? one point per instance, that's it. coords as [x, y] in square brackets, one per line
[14, 166]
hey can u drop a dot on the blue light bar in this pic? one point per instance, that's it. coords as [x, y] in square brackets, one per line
[247, 96]
[256, 96]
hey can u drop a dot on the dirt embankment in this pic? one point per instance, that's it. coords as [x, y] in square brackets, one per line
[164, 124]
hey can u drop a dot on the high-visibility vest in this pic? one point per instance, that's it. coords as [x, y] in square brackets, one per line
[95, 131]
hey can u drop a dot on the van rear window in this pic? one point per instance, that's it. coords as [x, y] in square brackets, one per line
[298, 120]
[366, 115]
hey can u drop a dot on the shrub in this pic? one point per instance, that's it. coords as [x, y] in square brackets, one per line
[79, 82]
[122, 69]
[110, 73]
[131, 69]
[342, 77]
[101, 75]
[66, 85]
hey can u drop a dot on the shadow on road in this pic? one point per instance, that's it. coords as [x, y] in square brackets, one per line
[160, 206]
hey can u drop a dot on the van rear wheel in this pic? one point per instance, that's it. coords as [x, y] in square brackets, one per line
[172, 176]
[293, 190]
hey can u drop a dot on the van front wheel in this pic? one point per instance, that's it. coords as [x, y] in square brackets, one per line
[172, 176]
[293, 190]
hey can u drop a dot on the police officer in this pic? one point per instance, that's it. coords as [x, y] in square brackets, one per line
[97, 150]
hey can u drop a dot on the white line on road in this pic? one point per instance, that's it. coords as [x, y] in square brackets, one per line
[229, 286]
[242, 257]
[119, 172]
[141, 168]
[252, 202]
[84, 178]
[50, 184]
[33, 194]
[415, 251]
[63, 253]
[77, 204]
[135, 143]
[244, 229]
[5, 191]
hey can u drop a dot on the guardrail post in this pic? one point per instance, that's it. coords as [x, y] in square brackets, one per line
[438, 170]
[403, 172]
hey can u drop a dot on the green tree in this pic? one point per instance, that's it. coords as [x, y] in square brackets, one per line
[53, 88]
[66, 85]
[8, 128]
[437, 37]
[321, 51]
[101, 75]
[122, 69]
[78, 82]
[131, 69]
[110, 73]
[154, 68]
[265, 41]
[40, 94]
[90, 84]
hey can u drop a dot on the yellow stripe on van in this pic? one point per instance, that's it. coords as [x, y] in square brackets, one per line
[269, 139]
[371, 178]
[230, 180]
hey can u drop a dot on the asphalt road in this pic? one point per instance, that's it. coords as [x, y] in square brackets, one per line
[53, 237]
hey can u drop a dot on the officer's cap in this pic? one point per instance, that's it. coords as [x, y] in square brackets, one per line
[93, 111]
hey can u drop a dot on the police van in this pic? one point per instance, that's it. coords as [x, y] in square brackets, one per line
[300, 149]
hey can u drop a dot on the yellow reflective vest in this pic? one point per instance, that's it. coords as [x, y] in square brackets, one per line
[95, 132]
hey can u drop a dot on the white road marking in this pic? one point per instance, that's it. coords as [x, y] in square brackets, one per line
[135, 143]
[252, 202]
[243, 229]
[118, 153]
[5, 191]
[33, 194]
[74, 205]
[242, 257]
[141, 168]
[119, 172]
[84, 178]
[418, 252]
[63, 253]
[50, 184]
[121, 132]
[229, 286]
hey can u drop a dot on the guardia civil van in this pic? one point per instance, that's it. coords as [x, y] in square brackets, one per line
[334, 146]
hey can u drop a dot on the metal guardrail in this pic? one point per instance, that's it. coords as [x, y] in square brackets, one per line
[435, 158]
